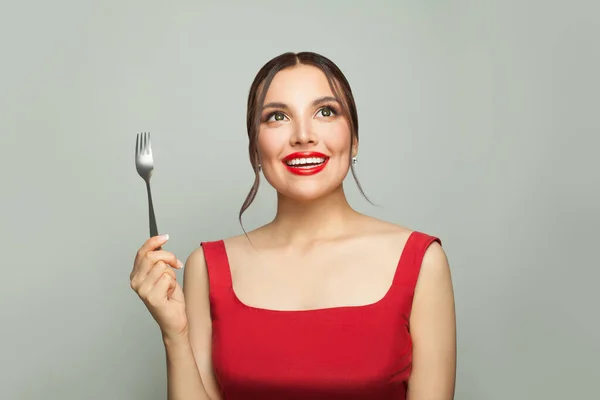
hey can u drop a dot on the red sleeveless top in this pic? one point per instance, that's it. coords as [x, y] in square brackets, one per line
[351, 352]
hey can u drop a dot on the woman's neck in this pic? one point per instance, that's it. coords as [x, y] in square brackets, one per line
[303, 223]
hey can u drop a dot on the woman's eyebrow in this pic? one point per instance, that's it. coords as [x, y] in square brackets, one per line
[325, 99]
[320, 100]
[275, 104]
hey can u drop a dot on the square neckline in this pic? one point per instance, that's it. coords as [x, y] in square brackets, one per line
[402, 259]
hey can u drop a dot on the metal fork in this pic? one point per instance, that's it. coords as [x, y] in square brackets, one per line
[144, 163]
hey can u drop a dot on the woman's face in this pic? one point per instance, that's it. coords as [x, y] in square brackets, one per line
[303, 140]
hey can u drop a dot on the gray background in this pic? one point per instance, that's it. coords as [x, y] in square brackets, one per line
[478, 123]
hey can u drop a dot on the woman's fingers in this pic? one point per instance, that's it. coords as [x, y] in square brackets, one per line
[161, 290]
[164, 256]
[145, 284]
[150, 245]
[148, 262]
[159, 269]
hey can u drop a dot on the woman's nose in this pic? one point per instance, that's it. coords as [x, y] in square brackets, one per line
[303, 134]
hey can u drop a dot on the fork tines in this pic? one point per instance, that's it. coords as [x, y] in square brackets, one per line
[142, 143]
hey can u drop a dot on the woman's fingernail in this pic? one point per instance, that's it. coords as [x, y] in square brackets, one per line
[179, 264]
[165, 236]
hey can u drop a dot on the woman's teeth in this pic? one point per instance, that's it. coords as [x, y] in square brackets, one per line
[305, 162]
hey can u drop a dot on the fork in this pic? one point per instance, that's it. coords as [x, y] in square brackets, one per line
[144, 163]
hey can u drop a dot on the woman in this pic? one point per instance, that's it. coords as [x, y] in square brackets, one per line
[321, 303]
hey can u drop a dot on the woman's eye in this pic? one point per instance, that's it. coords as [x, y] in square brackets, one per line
[277, 116]
[326, 112]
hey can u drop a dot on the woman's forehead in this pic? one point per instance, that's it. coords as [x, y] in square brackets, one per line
[301, 83]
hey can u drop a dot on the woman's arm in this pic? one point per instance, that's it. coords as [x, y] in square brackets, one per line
[189, 365]
[183, 378]
[433, 330]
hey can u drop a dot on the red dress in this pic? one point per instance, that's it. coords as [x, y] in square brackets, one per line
[354, 352]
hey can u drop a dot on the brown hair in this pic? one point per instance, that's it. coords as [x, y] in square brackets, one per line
[258, 90]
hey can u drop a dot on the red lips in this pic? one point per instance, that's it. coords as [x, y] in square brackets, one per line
[308, 162]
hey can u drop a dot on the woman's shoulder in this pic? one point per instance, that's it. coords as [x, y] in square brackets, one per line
[393, 235]
[434, 265]
[197, 256]
[390, 228]
[381, 229]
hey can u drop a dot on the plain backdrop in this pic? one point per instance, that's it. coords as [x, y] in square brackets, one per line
[478, 124]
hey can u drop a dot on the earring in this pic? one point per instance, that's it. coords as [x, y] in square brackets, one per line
[259, 167]
[354, 160]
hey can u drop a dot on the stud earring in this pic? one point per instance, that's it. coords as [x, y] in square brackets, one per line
[354, 160]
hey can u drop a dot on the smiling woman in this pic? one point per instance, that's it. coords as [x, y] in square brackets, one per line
[323, 302]
[267, 108]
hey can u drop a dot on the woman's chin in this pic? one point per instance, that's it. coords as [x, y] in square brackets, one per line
[307, 193]
[306, 189]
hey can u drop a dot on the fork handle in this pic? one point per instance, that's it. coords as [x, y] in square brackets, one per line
[153, 227]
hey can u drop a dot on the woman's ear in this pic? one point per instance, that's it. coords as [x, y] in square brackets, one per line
[355, 148]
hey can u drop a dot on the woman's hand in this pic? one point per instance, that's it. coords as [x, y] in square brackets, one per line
[155, 282]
